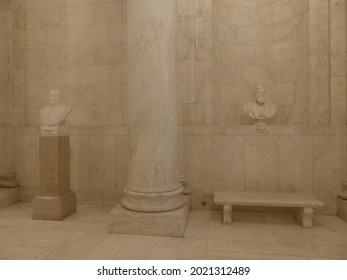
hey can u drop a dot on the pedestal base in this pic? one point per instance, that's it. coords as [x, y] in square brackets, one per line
[55, 207]
[342, 209]
[172, 223]
[8, 180]
[8, 196]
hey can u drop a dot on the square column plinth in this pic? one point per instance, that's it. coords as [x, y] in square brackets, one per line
[55, 200]
[171, 223]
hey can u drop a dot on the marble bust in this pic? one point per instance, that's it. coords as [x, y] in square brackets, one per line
[55, 113]
[259, 108]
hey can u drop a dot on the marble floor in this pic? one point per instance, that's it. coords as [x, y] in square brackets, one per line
[252, 236]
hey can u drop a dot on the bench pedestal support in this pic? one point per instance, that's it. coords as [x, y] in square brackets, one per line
[227, 214]
[304, 217]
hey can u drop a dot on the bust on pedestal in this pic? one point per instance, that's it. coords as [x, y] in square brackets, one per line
[54, 115]
[55, 200]
[259, 109]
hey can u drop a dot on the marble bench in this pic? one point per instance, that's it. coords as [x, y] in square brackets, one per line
[304, 202]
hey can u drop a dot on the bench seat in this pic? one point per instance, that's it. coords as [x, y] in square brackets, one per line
[304, 202]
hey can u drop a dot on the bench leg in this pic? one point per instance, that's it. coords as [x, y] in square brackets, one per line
[304, 217]
[227, 213]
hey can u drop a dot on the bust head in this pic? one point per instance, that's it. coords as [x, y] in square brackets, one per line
[259, 95]
[54, 96]
[259, 108]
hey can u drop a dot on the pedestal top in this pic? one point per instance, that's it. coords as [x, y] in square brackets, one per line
[53, 130]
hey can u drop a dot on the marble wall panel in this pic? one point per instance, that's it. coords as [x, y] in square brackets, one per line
[102, 162]
[329, 168]
[88, 116]
[203, 114]
[203, 7]
[319, 66]
[319, 90]
[6, 4]
[25, 159]
[261, 163]
[197, 165]
[275, 53]
[338, 64]
[301, 91]
[188, 114]
[77, 16]
[41, 19]
[338, 86]
[228, 167]
[319, 19]
[338, 40]
[338, 112]
[225, 114]
[295, 164]
[122, 162]
[112, 95]
[299, 114]
[290, 28]
[79, 163]
[319, 113]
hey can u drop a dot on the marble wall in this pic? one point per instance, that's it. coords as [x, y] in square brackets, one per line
[7, 76]
[5, 63]
[260, 43]
[286, 159]
[79, 47]
[195, 53]
[295, 48]
[337, 30]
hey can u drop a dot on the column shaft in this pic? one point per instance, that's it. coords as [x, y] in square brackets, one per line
[152, 106]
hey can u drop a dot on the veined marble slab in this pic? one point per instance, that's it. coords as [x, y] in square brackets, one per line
[267, 199]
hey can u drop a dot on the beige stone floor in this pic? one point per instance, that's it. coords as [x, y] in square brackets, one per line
[84, 235]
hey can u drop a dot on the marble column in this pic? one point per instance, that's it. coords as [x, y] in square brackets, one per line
[153, 185]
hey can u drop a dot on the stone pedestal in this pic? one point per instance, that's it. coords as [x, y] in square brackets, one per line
[9, 190]
[55, 200]
[153, 187]
[342, 205]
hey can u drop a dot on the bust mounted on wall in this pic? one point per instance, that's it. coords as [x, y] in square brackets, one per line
[259, 108]
[55, 113]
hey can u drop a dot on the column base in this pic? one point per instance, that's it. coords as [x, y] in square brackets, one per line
[342, 209]
[171, 223]
[8, 180]
[149, 202]
[55, 207]
[184, 183]
[8, 196]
